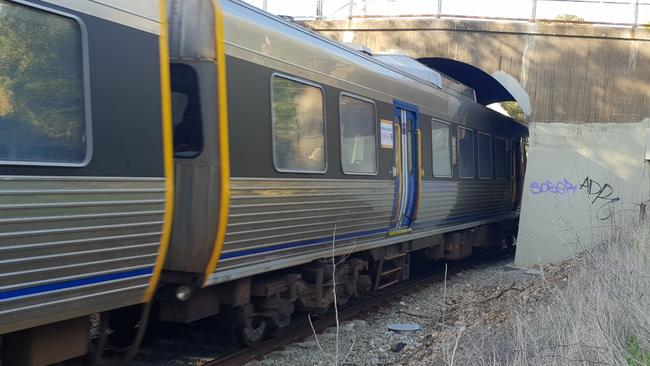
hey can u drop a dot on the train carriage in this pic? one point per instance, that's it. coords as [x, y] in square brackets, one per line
[295, 148]
[85, 168]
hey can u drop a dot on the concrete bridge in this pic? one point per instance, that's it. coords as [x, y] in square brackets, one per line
[586, 92]
[570, 73]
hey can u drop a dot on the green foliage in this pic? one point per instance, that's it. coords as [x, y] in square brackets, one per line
[41, 80]
[514, 111]
[635, 356]
[569, 18]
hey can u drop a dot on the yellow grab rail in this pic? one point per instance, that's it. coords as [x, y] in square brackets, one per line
[168, 150]
[418, 133]
[224, 148]
[398, 168]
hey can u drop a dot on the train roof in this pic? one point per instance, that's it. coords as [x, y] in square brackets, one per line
[428, 75]
[142, 14]
[399, 63]
[255, 35]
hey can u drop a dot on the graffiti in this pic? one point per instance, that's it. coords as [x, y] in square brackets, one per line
[602, 197]
[561, 187]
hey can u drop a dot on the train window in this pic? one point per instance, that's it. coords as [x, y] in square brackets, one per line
[465, 152]
[441, 149]
[186, 111]
[484, 156]
[43, 114]
[501, 162]
[358, 135]
[298, 126]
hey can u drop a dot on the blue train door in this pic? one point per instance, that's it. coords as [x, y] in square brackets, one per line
[407, 156]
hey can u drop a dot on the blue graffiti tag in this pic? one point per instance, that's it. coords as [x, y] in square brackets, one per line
[560, 187]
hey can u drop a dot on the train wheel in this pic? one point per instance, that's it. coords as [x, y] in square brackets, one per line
[252, 327]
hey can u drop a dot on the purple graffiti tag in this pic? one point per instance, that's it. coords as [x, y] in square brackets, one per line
[560, 187]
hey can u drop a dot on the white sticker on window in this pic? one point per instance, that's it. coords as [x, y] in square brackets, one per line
[386, 134]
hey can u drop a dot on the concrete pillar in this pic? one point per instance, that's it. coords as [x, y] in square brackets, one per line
[583, 183]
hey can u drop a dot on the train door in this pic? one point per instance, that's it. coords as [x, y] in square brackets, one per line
[407, 161]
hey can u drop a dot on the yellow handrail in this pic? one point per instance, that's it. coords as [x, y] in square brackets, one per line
[168, 150]
[224, 149]
[418, 133]
[398, 167]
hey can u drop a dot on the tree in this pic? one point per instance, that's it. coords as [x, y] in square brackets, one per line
[514, 111]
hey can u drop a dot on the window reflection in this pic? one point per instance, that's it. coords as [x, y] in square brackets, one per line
[358, 136]
[298, 126]
[484, 155]
[441, 149]
[466, 153]
[42, 108]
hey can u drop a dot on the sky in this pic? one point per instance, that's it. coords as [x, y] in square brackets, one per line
[597, 11]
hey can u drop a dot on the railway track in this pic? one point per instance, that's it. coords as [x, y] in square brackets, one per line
[297, 332]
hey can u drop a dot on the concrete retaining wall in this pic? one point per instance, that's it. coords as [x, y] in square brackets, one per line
[583, 180]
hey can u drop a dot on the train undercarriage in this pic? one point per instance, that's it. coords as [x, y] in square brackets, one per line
[265, 303]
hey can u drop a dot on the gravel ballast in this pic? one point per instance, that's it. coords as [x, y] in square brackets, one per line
[478, 297]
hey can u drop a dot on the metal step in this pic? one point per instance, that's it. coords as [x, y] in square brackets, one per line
[382, 274]
[394, 275]
[391, 257]
[387, 284]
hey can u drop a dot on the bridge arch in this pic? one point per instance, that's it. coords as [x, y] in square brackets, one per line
[495, 88]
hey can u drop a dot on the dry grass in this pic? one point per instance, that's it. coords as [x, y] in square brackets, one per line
[599, 315]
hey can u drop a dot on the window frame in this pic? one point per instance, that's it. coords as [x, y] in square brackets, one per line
[473, 152]
[491, 155]
[374, 107]
[451, 148]
[85, 74]
[325, 152]
[508, 164]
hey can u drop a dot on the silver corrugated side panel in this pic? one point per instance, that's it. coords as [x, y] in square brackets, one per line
[71, 246]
